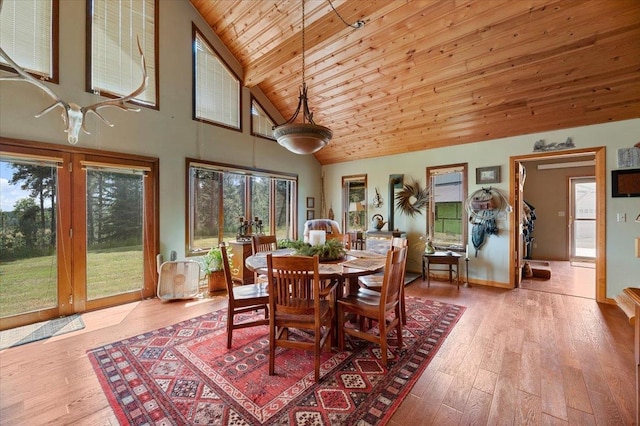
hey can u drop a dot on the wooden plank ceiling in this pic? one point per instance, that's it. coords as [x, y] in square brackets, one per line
[424, 74]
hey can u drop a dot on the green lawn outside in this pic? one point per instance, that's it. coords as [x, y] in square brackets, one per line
[31, 284]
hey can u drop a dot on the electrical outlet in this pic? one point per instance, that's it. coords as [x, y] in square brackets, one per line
[622, 217]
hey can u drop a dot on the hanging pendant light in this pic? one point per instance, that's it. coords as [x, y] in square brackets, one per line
[306, 137]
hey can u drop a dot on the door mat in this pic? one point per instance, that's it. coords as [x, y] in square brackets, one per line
[40, 330]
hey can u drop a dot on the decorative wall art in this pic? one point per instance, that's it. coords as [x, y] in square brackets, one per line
[412, 198]
[311, 214]
[487, 175]
[542, 146]
[377, 200]
[629, 157]
[311, 202]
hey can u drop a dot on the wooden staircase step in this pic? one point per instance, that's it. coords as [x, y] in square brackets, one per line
[628, 307]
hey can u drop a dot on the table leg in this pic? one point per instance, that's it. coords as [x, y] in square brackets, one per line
[466, 270]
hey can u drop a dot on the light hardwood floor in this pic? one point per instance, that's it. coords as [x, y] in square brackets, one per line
[516, 357]
[569, 278]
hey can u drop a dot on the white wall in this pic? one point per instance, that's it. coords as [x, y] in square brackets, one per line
[492, 263]
[168, 133]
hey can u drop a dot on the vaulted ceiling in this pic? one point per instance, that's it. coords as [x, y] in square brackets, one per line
[431, 73]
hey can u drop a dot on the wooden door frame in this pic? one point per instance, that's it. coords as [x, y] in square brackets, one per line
[601, 190]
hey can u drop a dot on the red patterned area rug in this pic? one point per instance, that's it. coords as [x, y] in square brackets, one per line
[184, 375]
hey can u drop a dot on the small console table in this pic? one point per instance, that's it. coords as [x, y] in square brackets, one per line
[380, 241]
[449, 259]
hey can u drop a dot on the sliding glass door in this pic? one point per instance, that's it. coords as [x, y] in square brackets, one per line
[79, 230]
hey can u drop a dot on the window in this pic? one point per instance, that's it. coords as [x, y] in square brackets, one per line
[219, 195]
[114, 63]
[261, 123]
[29, 35]
[446, 222]
[354, 203]
[216, 89]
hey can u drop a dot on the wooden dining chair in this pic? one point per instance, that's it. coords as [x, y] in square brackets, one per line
[377, 306]
[374, 282]
[295, 302]
[243, 298]
[345, 239]
[262, 243]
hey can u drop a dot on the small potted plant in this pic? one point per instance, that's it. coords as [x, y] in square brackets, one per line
[212, 268]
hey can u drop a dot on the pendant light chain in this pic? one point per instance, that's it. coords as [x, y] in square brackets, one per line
[303, 63]
[307, 137]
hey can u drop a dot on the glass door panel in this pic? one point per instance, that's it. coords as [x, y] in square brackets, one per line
[28, 259]
[583, 220]
[115, 218]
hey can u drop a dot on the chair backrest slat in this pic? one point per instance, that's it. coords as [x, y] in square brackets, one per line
[261, 243]
[294, 283]
[393, 276]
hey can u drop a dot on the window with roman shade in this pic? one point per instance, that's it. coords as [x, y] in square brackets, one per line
[29, 35]
[216, 88]
[114, 62]
[261, 124]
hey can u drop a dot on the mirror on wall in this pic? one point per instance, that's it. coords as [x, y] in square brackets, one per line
[446, 216]
[354, 203]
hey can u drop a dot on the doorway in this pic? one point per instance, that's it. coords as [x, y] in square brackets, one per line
[563, 213]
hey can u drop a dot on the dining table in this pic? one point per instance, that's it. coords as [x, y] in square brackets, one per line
[347, 270]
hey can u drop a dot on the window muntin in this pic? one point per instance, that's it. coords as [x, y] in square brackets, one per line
[261, 124]
[114, 63]
[446, 223]
[216, 89]
[29, 35]
[218, 195]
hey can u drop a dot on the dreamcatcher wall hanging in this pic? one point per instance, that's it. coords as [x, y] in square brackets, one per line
[412, 198]
[483, 208]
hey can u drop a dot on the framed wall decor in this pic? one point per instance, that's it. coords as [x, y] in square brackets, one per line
[311, 214]
[625, 183]
[311, 202]
[487, 175]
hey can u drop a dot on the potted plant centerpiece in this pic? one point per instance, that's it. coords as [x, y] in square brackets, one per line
[330, 250]
[212, 268]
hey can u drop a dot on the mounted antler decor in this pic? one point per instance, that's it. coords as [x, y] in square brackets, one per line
[73, 114]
